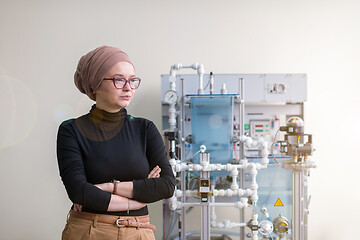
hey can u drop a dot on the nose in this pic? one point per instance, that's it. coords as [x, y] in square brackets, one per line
[127, 86]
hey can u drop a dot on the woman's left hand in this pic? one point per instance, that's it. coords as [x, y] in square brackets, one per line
[155, 173]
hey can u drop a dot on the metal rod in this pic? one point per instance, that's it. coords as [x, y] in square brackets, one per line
[241, 149]
[182, 157]
[205, 221]
[182, 122]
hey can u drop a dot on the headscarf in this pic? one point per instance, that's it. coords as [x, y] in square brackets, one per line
[93, 66]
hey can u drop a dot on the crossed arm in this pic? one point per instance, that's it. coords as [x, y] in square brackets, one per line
[124, 192]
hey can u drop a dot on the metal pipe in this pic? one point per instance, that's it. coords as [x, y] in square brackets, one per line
[212, 232]
[182, 122]
[241, 149]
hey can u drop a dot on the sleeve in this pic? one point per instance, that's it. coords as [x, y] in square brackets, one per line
[72, 172]
[154, 189]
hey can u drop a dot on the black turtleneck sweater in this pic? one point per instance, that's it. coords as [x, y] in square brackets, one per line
[101, 146]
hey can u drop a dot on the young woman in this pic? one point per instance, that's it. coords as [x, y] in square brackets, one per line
[110, 162]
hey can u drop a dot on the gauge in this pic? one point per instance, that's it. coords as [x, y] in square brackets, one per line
[171, 97]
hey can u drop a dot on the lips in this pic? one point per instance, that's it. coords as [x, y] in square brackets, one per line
[126, 97]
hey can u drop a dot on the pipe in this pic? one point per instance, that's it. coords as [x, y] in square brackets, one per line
[212, 232]
[262, 145]
[177, 205]
[218, 193]
[234, 174]
[196, 66]
[227, 224]
[299, 166]
[201, 71]
[179, 167]
[254, 222]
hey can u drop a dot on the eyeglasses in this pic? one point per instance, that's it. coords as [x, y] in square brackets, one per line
[120, 83]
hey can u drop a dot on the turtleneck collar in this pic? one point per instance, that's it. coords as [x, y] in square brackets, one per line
[98, 115]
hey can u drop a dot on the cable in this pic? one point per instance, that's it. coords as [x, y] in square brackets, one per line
[188, 151]
[272, 146]
[196, 153]
[207, 84]
[235, 151]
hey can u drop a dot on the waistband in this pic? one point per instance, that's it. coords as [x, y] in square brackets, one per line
[118, 221]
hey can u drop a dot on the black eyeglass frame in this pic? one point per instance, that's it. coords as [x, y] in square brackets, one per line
[126, 81]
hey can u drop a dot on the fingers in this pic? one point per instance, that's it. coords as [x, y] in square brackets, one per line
[151, 174]
[77, 207]
[155, 173]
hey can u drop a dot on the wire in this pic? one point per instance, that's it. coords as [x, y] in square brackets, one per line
[207, 84]
[196, 153]
[272, 153]
[188, 151]
[235, 152]
[272, 147]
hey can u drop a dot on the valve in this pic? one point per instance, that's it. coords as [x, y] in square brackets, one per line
[281, 225]
[266, 228]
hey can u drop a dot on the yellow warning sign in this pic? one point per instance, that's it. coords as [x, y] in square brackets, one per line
[278, 203]
[282, 224]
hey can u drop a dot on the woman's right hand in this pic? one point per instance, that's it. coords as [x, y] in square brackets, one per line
[135, 205]
[77, 207]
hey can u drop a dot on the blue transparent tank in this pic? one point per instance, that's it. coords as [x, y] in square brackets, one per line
[212, 126]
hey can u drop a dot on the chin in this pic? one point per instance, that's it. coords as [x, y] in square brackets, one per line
[123, 105]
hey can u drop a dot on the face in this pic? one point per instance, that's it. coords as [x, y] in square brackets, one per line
[110, 98]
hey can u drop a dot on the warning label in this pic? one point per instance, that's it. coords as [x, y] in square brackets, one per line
[278, 203]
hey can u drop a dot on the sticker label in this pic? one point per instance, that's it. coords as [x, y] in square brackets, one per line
[204, 189]
[278, 203]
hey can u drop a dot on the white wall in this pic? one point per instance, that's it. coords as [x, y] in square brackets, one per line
[41, 42]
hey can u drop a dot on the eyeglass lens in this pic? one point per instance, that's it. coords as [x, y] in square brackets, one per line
[134, 83]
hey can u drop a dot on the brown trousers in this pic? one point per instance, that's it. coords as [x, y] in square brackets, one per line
[83, 229]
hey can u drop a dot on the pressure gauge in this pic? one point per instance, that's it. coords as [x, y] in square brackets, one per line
[171, 96]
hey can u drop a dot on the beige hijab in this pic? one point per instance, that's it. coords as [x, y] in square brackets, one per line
[93, 66]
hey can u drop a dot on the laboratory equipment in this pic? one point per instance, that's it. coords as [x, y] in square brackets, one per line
[237, 147]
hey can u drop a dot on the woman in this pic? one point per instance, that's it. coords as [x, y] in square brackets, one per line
[111, 163]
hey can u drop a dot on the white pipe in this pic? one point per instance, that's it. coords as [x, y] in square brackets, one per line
[254, 186]
[172, 109]
[234, 173]
[300, 165]
[229, 192]
[196, 66]
[201, 71]
[219, 193]
[219, 167]
[262, 145]
[254, 221]
[172, 162]
[223, 89]
[240, 204]
[173, 203]
[227, 224]
[208, 167]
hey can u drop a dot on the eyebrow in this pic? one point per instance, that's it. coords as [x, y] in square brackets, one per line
[121, 75]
